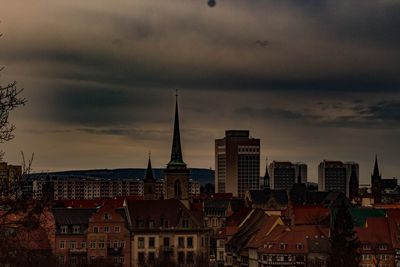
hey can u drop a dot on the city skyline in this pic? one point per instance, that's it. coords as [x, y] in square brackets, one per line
[106, 99]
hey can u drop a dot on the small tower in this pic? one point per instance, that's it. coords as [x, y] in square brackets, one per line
[376, 179]
[353, 184]
[149, 183]
[177, 174]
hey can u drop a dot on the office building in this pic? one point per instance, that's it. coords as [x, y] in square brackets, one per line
[336, 176]
[285, 174]
[237, 163]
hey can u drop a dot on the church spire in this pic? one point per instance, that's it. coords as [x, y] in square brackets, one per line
[267, 178]
[149, 172]
[176, 152]
[376, 168]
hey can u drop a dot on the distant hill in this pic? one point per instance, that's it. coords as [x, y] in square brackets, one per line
[203, 176]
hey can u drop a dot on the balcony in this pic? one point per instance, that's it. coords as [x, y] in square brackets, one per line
[114, 251]
[77, 251]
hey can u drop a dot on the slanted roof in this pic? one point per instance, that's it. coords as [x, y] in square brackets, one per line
[376, 231]
[259, 239]
[263, 196]
[216, 203]
[157, 210]
[291, 236]
[311, 214]
[241, 238]
[75, 216]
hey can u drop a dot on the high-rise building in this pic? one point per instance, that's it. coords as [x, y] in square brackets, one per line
[237, 163]
[336, 175]
[285, 174]
[177, 174]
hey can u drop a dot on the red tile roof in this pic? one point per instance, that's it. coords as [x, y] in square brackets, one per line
[376, 231]
[311, 214]
[290, 237]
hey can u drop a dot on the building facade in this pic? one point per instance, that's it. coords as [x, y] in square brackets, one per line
[237, 163]
[285, 174]
[336, 175]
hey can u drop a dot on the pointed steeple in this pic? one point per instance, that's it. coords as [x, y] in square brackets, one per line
[149, 172]
[376, 168]
[299, 176]
[267, 178]
[176, 152]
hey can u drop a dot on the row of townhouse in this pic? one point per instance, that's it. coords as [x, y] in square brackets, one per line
[255, 239]
[132, 233]
[66, 188]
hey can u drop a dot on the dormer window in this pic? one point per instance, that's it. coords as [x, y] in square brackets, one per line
[282, 246]
[383, 246]
[366, 247]
[107, 217]
[64, 229]
[75, 229]
[299, 246]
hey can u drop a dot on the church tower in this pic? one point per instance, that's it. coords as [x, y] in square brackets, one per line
[149, 183]
[176, 173]
[353, 184]
[267, 178]
[376, 183]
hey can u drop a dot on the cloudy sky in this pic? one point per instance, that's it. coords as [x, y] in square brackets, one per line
[313, 79]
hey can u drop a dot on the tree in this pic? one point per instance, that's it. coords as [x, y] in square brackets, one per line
[344, 240]
[10, 99]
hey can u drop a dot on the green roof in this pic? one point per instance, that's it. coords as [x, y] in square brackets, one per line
[360, 215]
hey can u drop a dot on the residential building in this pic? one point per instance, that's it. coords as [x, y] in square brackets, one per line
[10, 176]
[237, 163]
[166, 231]
[285, 174]
[289, 246]
[88, 234]
[335, 176]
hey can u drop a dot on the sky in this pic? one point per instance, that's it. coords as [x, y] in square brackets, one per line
[314, 80]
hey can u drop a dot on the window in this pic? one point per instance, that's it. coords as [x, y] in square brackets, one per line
[189, 242]
[181, 242]
[106, 229]
[123, 244]
[101, 244]
[190, 258]
[282, 246]
[72, 244]
[181, 257]
[151, 224]
[152, 242]
[152, 257]
[117, 229]
[116, 244]
[122, 260]
[141, 242]
[95, 229]
[115, 260]
[299, 246]
[75, 229]
[62, 244]
[83, 244]
[64, 229]
[185, 223]
[166, 242]
[92, 244]
[107, 217]
[141, 257]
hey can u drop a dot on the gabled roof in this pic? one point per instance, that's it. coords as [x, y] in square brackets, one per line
[311, 214]
[75, 216]
[247, 230]
[171, 210]
[265, 195]
[270, 222]
[376, 231]
[291, 237]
